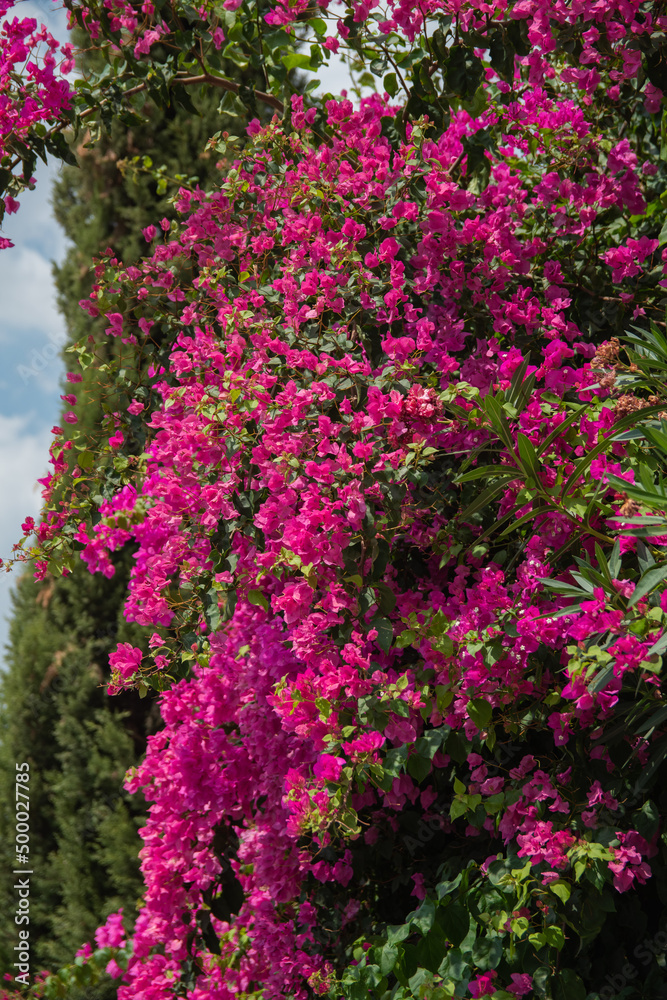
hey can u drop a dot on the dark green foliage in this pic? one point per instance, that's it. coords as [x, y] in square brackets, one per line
[107, 201]
[106, 989]
[56, 716]
[54, 711]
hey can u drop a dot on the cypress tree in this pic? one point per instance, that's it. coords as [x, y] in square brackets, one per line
[54, 710]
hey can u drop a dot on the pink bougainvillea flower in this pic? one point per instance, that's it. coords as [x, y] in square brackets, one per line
[126, 659]
[328, 767]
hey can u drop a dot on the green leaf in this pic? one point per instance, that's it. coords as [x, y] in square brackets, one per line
[554, 937]
[395, 760]
[487, 952]
[601, 679]
[296, 60]
[568, 986]
[212, 608]
[528, 458]
[458, 808]
[650, 770]
[480, 712]
[390, 84]
[519, 392]
[257, 598]
[432, 949]
[659, 646]
[630, 421]
[657, 437]
[495, 413]
[420, 977]
[57, 144]
[502, 54]
[419, 767]
[558, 431]
[560, 587]
[428, 744]
[446, 888]
[655, 720]
[524, 519]
[385, 632]
[388, 957]
[318, 25]
[485, 497]
[455, 922]
[650, 498]
[647, 820]
[423, 918]
[386, 599]
[644, 558]
[488, 471]
[397, 933]
[649, 580]
[324, 706]
[585, 583]
[453, 966]
[464, 71]
[405, 638]
[230, 606]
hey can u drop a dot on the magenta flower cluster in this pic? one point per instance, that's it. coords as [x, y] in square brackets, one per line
[357, 320]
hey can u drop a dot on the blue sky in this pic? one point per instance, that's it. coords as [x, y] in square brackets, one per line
[31, 332]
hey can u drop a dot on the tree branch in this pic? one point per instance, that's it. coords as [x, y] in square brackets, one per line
[218, 81]
[214, 81]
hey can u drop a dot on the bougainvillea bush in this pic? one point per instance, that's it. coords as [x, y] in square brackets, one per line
[390, 464]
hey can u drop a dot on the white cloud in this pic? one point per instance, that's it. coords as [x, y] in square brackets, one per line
[46, 12]
[23, 460]
[33, 225]
[28, 297]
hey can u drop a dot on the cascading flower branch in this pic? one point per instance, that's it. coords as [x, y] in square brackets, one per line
[398, 547]
[34, 94]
